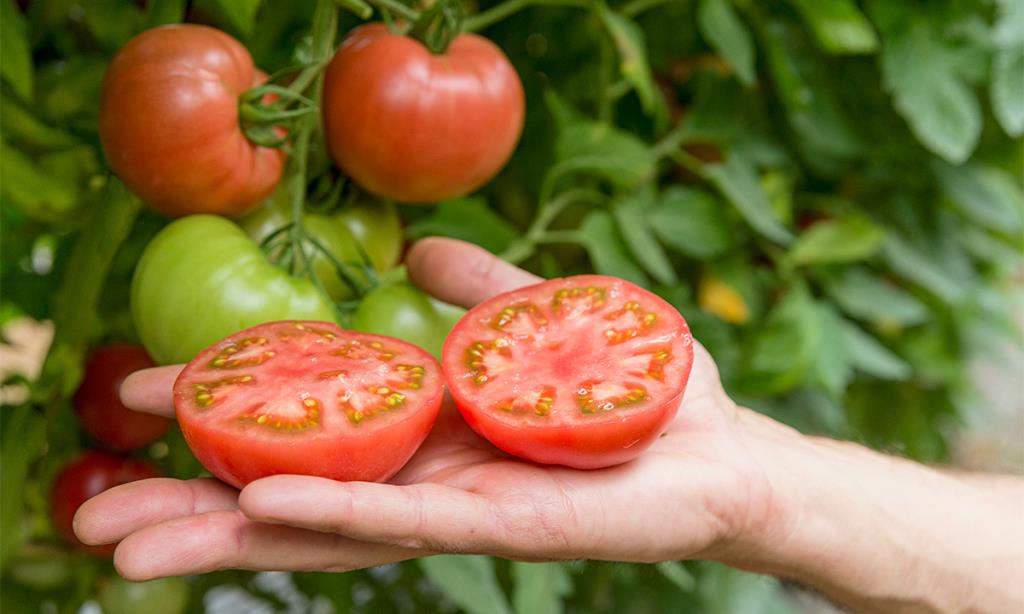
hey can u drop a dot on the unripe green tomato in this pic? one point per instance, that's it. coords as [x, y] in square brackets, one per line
[404, 311]
[41, 568]
[162, 596]
[201, 279]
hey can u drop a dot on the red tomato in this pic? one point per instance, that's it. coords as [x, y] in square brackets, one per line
[307, 398]
[583, 371]
[169, 123]
[98, 404]
[84, 478]
[417, 127]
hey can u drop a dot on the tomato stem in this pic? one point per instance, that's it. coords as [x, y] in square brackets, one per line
[495, 14]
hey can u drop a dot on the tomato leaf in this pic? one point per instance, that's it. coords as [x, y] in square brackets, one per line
[1006, 87]
[469, 581]
[608, 252]
[784, 348]
[868, 355]
[914, 264]
[40, 195]
[164, 12]
[848, 238]
[677, 574]
[725, 590]
[987, 196]
[540, 587]
[737, 180]
[23, 441]
[21, 127]
[16, 51]
[832, 365]
[630, 213]
[692, 222]
[864, 296]
[725, 31]
[839, 26]
[469, 219]
[239, 15]
[633, 64]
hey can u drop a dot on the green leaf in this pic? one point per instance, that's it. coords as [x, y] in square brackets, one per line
[867, 354]
[607, 250]
[540, 587]
[867, 297]
[15, 49]
[165, 12]
[23, 440]
[633, 64]
[112, 24]
[630, 214]
[22, 128]
[839, 26]
[693, 222]
[987, 196]
[942, 111]
[467, 580]
[1007, 89]
[723, 29]
[833, 366]
[845, 239]
[784, 348]
[730, 591]
[41, 195]
[677, 574]
[914, 264]
[1009, 29]
[737, 180]
[469, 219]
[239, 15]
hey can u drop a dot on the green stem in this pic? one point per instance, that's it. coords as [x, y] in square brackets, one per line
[635, 7]
[546, 214]
[407, 13]
[689, 162]
[605, 70]
[670, 143]
[560, 236]
[495, 14]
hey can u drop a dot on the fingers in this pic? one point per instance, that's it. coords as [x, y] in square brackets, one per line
[227, 539]
[426, 516]
[462, 273]
[114, 514]
[149, 390]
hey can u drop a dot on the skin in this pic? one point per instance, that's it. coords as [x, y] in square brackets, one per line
[871, 531]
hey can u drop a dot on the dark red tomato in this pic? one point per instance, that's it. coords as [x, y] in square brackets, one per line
[307, 398]
[583, 371]
[84, 478]
[98, 403]
[418, 127]
[169, 123]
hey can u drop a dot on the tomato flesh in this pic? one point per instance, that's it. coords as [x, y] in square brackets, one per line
[583, 371]
[307, 397]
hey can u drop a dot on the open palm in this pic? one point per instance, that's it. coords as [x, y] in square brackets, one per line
[696, 489]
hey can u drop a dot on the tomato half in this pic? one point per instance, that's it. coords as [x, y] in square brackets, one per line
[169, 123]
[84, 478]
[407, 124]
[307, 398]
[98, 404]
[201, 279]
[583, 371]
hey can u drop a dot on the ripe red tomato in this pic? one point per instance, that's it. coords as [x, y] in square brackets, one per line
[418, 127]
[98, 403]
[84, 478]
[306, 397]
[583, 371]
[169, 123]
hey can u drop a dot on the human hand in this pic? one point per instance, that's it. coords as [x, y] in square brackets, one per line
[701, 491]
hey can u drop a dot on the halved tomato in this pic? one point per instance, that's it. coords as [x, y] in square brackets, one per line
[309, 398]
[584, 371]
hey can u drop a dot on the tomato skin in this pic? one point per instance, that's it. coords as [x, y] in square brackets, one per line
[573, 439]
[369, 452]
[169, 123]
[201, 279]
[98, 404]
[85, 477]
[377, 227]
[404, 311]
[424, 127]
[161, 596]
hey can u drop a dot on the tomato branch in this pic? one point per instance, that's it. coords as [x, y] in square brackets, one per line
[493, 15]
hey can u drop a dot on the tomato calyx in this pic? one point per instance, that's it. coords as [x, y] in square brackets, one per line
[268, 113]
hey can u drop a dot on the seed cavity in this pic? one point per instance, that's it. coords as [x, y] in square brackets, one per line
[576, 301]
[521, 318]
[358, 350]
[592, 400]
[204, 392]
[271, 419]
[223, 359]
[386, 399]
[539, 405]
[636, 319]
[408, 377]
[476, 357]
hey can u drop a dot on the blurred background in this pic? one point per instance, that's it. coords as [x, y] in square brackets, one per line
[832, 193]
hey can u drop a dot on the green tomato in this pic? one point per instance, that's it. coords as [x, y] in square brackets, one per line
[377, 227]
[163, 596]
[201, 279]
[404, 311]
[41, 567]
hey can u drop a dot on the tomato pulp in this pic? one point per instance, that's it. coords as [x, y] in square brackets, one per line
[407, 124]
[583, 371]
[306, 397]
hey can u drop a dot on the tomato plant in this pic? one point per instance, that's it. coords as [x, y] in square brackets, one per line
[161, 596]
[307, 398]
[201, 279]
[170, 127]
[583, 371]
[424, 127]
[98, 405]
[402, 310]
[85, 477]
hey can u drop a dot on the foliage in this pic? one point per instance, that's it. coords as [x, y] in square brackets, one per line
[844, 179]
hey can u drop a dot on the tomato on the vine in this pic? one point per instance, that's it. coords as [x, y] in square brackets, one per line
[407, 124]
[98, 404]
[307, 398]
[583, 371]
[402, 310]
[201, 279]
[169, 123]
[85, 477]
